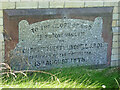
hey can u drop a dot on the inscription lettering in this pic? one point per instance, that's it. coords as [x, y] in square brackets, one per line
[61, 43]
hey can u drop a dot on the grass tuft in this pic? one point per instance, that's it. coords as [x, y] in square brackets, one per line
[74, 77]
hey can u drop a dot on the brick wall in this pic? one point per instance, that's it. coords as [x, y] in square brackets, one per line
[25, 4]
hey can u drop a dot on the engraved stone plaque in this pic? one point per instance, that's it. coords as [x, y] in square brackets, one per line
[59, 43]
[43, 39]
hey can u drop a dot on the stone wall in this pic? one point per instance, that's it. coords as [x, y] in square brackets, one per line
[34, 4]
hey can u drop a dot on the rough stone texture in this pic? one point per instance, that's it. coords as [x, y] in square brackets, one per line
[36, 15]
[74, 4]
[109, 3]
[20, 5]
[59, 43]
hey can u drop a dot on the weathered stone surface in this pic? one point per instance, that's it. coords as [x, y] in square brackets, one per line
[59, 43]
[40, 16]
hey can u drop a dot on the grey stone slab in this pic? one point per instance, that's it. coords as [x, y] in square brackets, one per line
[57, 43]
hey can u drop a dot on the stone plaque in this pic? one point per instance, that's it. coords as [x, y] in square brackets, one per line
[57, 43]
[41, 39]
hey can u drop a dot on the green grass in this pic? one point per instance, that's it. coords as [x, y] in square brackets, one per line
[74, 77]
